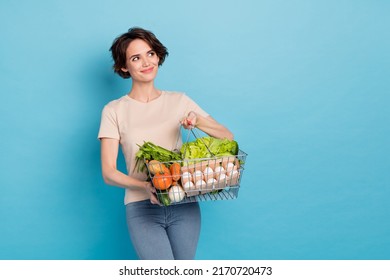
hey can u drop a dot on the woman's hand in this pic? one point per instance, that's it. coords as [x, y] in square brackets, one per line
[190, 121]
[206, 124]
[153, 198]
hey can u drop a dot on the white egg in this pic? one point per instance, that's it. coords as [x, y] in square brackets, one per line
[219, 169]
[233, 177]
[220, 177]
[229, 166]
[200, 184]
[176, 193]
[208, 172]
[218, 172]
[232, 173]
[186, 177]
[188, 186]
[197, 175]
[221, 181]
[211, 181]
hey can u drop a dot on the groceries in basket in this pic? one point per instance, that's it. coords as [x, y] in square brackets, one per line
[205, 166]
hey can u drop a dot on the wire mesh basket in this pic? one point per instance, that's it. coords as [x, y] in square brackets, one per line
[195, 180]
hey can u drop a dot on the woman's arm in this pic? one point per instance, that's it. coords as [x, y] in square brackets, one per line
[207, 125]
[112, 176]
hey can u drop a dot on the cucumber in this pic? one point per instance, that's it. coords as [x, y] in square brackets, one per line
[164, 198]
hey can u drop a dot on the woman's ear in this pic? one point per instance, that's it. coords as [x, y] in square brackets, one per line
[124, 70]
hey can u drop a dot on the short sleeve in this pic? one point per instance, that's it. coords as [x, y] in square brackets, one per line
[109, 124]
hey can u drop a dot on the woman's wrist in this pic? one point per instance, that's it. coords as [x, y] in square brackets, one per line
[138, 183]
[145, 184]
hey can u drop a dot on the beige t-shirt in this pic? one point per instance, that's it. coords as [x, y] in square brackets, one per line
[133, 122]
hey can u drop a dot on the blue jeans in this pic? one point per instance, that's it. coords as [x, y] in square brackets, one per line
[164, 233]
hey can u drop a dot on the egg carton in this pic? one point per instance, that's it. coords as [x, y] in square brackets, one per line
[205, 179]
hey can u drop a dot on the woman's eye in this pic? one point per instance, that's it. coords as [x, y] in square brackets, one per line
[152, 53]
[135, 58]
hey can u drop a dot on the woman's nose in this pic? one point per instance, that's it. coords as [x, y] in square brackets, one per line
[145, 61]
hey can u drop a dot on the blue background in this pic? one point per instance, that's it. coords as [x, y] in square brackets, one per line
[304, 86]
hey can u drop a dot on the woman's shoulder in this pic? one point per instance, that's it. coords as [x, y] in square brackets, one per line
[175, 94]
[117, 102]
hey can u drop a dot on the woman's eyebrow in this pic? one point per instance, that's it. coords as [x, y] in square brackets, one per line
[137, 54]
[134, 55]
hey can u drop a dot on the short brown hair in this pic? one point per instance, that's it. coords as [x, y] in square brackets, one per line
[120, 44]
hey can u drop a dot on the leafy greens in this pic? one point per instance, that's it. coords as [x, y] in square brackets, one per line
[208, 146]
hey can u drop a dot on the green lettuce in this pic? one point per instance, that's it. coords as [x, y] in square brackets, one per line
[206, 147]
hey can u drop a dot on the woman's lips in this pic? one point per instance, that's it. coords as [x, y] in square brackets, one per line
[146, 71]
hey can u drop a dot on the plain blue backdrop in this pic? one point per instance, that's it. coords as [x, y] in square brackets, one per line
[304, 86]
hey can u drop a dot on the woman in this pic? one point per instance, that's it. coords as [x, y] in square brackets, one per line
[147, 113]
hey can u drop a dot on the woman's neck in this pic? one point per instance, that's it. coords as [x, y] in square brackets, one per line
[144, 92]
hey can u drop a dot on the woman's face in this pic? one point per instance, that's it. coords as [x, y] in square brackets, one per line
[141, 61]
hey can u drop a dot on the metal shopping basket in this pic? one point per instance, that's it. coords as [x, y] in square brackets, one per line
[201, 179]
